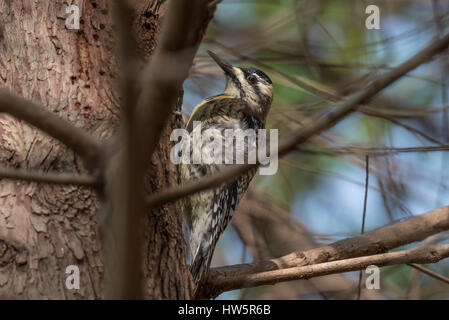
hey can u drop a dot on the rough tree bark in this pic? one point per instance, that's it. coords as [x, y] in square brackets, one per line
[73, 73]
[45, 228]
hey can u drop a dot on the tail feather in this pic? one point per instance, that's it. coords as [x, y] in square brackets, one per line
[200, 263]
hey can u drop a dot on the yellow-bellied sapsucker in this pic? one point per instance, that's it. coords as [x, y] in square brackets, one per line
[243, 105]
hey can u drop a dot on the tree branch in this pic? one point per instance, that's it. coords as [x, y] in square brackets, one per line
[184, 24]
[374, 151]
[377, 241]
[273, 232]
[315, 126]
[168, 68]
[421, 254]
[46, 177]
[73, 137]
[429, 272]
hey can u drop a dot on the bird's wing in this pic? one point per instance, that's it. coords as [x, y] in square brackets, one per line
[221, 108]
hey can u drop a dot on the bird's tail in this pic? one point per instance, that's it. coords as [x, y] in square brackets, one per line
[201, 262]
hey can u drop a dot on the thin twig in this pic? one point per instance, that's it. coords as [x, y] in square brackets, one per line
[47, 177]
[371, 151]
[405, 126]
[404, 112]
[364, 217]
[329, 95]
[429, 272]
[366, 193]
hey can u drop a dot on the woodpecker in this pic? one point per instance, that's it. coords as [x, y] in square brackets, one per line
[244, 104]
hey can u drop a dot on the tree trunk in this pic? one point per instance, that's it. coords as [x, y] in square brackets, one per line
[45, 228]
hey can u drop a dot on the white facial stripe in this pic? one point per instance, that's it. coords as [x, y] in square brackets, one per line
[231, 89]
[251, 96]
[240, 76]
[265, 89]
[258, 77]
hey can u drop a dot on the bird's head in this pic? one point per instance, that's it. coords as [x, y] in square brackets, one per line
[249, 84]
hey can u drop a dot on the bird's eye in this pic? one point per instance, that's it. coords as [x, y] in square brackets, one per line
[251, 78]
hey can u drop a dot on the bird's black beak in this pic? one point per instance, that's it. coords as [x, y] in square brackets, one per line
[226, 66]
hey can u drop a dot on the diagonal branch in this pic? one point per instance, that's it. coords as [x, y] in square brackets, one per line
[315, 126]
[168, 68]
[46, 177]
[405, 126]
[73, 137]
[377, 241]
[429, 272]
[421, 254]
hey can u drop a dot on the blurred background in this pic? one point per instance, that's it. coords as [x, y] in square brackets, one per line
[314, 51]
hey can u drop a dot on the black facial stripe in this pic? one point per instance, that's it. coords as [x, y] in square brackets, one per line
[232, 76]
[257, 89]
[246, 73]
[261, 74]
[262, 79]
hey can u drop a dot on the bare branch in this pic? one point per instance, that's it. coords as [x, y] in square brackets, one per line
[315, 126]
[75, 138]
[429, 272]
[270, 231]
[46, 177]
[183, 27]
[371, 151]
[405, 126]
[420, 254]
[403, 112]
[377, 241]
[123, 248]
[168, 68]
[359, 293]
